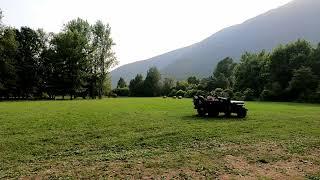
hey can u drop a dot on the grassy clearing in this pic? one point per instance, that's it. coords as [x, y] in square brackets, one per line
[154, 137]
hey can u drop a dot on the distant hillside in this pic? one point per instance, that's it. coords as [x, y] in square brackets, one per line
[297, 19]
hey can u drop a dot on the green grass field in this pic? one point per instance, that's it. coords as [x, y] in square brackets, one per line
[155, 137]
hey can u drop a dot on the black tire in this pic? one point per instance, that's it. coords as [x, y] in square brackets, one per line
[213, 114]
[201, 111]
[242, 113]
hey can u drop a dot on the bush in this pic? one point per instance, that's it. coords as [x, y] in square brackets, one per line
[266, 95]
[228, 93]
[249, 94]
[190, 93]
[45, 96]
[201, 93]
[172, 93]
[238, 96]
[181, 93]
[113, 95]
[182, 85]
[121, 91]
[218, 92]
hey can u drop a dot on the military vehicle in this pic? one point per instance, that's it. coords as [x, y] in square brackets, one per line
[213, 106]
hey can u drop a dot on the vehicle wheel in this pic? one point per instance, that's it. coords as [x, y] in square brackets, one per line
[242, 113]
[201, 111]
[213, 114]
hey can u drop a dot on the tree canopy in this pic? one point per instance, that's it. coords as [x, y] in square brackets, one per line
[74, 62]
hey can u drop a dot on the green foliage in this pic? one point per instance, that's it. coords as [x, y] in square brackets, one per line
[121, 91]
[71, 47]
[303, 83]
[182, 85]
[218, 92]
[271, 92]
[228, 93]
[151, 84]
[315, 61]
[121, 83]
[101, 58]
[8, 51]
[249, 94]
[285, 59]
[252, 72]
[239, 96]
[172, 93]
[220, 81]
[168, 84]
[225, 67]
[193, 80]
[191, 93]
[73, 62]
[181, 93]
[136, 86]
[202, 93]
[107, 85]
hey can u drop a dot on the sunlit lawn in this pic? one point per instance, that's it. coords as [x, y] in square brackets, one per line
[155, 137]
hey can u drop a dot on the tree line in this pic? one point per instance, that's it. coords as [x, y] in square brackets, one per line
[289, 73]
[74, 62]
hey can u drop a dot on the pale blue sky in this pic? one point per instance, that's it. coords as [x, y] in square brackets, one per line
[140, 28]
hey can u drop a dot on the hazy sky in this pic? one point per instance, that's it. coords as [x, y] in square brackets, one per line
[140, 28]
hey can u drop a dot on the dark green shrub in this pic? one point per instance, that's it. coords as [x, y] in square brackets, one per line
[172, 93]
[218, 92]
[249, 94]
[181, 93]
[201, 93]
[191, 93]
[228, 93]
[266, 95]
[121, 91]
[238, 96]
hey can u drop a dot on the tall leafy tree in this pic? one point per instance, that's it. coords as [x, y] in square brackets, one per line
[152, 83]
[28, 61]
[315, 63]
[168, 84]
[182, 85]
[225, 67]
[285, 59]
[8, 51]
[102, 57]
[136, 86]
[303, 83]
[222, 76]
[193, 80]
[252, 72]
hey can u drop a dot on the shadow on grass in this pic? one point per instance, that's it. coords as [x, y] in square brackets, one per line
[208, 118]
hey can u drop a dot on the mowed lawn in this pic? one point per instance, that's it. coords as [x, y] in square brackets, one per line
[156, 138]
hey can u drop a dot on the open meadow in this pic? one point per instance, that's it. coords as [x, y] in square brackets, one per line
[157, 138]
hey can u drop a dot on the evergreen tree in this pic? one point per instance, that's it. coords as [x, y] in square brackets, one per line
[121, 83]
[136, 86]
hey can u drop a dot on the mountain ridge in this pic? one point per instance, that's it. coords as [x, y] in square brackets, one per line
[295, 20]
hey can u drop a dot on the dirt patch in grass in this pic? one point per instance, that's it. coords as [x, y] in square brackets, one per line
[228, 161]
[270, 161]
